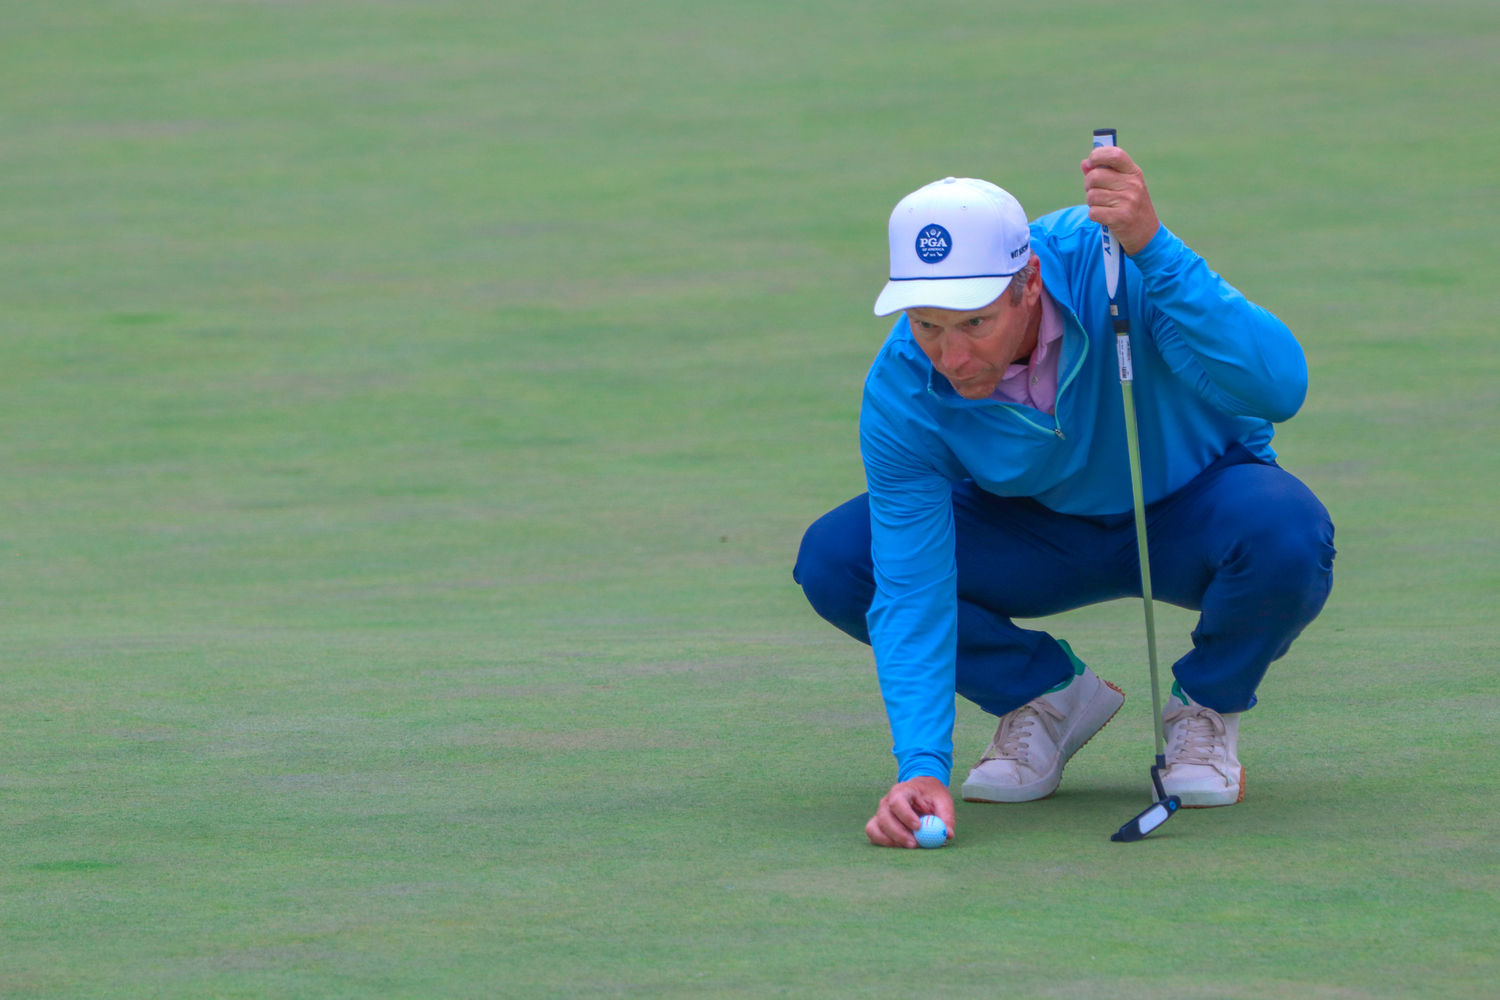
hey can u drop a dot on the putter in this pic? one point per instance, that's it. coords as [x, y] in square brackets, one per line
[1165, 806]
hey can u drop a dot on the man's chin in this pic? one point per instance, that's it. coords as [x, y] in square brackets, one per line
[973, 390]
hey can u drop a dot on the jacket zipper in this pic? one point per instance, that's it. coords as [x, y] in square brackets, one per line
[1071, 376]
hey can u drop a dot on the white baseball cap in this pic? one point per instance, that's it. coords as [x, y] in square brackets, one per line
[954, 245]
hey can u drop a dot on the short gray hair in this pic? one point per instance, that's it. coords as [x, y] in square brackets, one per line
[1017, 287]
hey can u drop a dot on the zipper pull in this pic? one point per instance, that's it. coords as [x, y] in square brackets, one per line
[1059, 433]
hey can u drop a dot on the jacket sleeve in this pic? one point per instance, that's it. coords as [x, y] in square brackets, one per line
[1237, 355]
[912, 619]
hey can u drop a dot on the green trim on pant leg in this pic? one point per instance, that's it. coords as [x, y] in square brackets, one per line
[1177, 692]
[1078, 667]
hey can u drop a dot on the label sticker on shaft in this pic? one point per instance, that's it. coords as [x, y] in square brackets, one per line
[1122, 347]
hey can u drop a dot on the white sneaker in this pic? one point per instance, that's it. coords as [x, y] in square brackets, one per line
[1202, 767]
[1026, 758]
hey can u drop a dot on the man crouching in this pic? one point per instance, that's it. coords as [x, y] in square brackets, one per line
[994, 447]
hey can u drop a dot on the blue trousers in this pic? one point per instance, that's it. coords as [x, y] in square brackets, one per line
[1245, 543]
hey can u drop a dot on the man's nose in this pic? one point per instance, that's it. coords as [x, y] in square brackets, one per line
[955, 353]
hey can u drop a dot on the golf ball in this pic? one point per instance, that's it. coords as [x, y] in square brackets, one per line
[932, 833]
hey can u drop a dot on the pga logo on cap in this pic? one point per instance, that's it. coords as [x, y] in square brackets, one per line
[933, 243]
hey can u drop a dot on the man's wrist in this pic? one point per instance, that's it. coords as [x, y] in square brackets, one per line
[1146, 245]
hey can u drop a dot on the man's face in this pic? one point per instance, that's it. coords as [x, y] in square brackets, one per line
[973, 349]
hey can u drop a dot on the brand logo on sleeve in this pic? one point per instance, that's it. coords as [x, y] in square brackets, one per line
[933, 243]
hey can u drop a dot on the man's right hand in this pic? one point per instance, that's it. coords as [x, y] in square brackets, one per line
[1116, 193]
[902, 809]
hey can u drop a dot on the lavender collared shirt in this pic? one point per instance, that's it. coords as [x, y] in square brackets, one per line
[1035, 384]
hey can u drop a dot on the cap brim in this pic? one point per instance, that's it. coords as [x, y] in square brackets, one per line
[961, 294]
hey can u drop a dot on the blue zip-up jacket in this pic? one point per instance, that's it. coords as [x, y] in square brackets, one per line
[1211, 369]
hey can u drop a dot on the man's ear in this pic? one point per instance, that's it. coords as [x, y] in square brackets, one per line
[1034, 284]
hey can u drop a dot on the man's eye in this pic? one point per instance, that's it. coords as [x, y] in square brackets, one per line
[976, 321]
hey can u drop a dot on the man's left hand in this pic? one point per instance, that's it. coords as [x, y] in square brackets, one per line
[902, 809]
[1117, 197]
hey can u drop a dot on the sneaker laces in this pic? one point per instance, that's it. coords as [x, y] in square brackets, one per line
[1198, 737]
[1010, 739]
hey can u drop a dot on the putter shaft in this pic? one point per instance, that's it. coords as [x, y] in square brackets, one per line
[1133, 444]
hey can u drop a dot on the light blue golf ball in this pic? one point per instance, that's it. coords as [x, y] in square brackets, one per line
[932, 833]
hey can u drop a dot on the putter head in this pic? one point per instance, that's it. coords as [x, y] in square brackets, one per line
[1154, 816]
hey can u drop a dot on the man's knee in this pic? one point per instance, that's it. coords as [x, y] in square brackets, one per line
[1283, 534]
[834, 566]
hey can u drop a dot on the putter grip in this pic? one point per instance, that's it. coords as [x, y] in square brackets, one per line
[1113, 279]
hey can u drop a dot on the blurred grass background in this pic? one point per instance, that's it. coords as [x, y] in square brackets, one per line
[409, 413]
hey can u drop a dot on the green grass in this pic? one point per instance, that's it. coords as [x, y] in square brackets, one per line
[409, 412]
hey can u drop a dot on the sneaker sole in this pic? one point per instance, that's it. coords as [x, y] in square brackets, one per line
[1032, 793]
[1221, 805]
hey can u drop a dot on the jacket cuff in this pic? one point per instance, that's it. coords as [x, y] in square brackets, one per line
[926, 764]
[1163, 248]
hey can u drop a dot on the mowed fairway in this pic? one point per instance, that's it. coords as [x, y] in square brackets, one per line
[409, 412]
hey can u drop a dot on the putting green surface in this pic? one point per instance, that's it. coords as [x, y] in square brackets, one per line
[409, 413]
